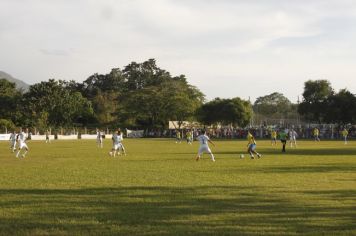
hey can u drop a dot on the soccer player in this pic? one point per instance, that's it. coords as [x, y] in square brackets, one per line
[22, 136]
[345, 133]
[274, 137]
[189, 135]
[99, 138]
[251, 146]
[204, 146]
[122, 139]
[47, 137]
[316, 134]
[293, 138]
[117, 145]
[283, 138]
[178, 137]
[13, 141]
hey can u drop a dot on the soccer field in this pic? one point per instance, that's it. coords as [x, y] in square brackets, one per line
[75, 188]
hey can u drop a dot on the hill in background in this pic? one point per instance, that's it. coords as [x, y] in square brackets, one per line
[19, 83]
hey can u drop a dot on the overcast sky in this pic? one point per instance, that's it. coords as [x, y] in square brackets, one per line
[227, 48]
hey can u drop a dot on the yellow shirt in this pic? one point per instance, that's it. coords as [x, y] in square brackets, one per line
[250, 138]
[316, 132]
[274, 134]
[345, 133]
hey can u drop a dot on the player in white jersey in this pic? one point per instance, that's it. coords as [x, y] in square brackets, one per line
[117, 145]
[122, 145]
[204, 146]
[99, 138]
[13, 141]
[293, 138]
[22, 136]
[47, 137]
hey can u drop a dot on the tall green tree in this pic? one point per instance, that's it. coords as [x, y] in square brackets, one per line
[105, 105]
[142, 95]
[181, 100]
[6, 125]
[152, 97]
[141, 75]
[53, 103]
[98, 83]
[235, 112]
[273, 105]
[341, 108]
[315, 96]
[142, 108]
[9, 101]
[154, 106]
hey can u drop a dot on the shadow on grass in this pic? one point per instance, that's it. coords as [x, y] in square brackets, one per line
[298, 151]
[312, 152]
[349, 194]
[169, 211]
[310, 169]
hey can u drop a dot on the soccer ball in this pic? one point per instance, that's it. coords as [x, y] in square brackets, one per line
[242, 156]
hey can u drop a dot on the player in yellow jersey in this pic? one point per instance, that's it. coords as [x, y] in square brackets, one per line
[178, 137]
[189, 136]
[273, 137]
[251, 146]
[316, 134]
[345, 133]
[249, 136]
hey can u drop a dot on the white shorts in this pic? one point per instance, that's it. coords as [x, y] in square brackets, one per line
[203, 149]
[99, 140]
[23, 145]
[117, 146]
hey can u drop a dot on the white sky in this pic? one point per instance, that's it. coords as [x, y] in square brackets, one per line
[227, 48]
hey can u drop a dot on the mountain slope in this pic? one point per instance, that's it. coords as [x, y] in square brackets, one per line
[19, 83]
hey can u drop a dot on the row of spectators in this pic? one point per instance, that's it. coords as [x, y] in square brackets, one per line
[325, 132]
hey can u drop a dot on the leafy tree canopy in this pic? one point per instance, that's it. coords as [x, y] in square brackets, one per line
[272, 105]
[315, 96]
[341, 108]
[235, 112]
[9, 100]
[52, 103]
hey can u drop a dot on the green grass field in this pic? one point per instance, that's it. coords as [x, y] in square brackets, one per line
[75, 188]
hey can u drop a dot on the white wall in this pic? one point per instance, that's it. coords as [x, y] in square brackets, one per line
[67, 137]
[88, 136]
[41, 137]
[93, 136]
[4, 137]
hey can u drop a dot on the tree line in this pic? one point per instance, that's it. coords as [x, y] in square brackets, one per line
[322, 104]
[144, 96]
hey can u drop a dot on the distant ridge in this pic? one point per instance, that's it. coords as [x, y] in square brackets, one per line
[19, 83]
